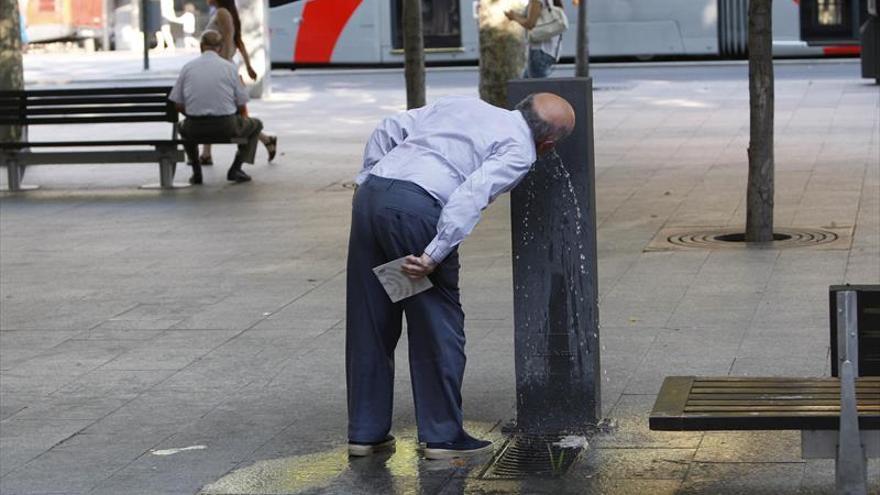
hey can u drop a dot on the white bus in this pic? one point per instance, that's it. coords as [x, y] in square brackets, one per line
[367, 32]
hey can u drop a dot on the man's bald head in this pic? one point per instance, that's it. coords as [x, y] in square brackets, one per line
[550, 118]
[211, 40]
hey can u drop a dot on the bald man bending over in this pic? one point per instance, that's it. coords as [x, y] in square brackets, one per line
[427, 175]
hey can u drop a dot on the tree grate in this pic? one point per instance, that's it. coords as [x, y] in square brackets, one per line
[733, 238]
[530, 456]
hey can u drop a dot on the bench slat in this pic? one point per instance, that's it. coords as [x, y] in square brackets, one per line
[779, 408]
[817, 396]
[76, 144]
[760, 404]
[770, 390]
[815, 382]
[109, 119]
[98, 157]
[779, 402]
[128, 90]
[89, 110]
[96, 100]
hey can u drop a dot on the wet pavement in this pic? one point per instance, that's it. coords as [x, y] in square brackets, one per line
[192, 341]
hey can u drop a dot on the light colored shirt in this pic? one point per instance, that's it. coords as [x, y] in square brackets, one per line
[551, 46]
[209, 85]
[188, 21]
[461, 150]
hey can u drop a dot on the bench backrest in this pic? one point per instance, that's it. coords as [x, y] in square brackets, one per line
[868, 314]
[87, 106]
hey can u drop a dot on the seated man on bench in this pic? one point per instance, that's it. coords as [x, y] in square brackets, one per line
[209, 92]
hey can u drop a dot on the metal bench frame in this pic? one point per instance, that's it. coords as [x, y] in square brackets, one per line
[850, 464]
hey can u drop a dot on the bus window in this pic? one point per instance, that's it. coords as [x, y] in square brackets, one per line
[830, 21]
[441, 23]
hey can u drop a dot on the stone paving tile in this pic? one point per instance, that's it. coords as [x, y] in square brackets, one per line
[67, 473]
[639, 463]
[631, 428]
[23, 440]
[819, 478]
[71, 407]
[750, 446]
[742, 478]
[171, 351]
[13, 403]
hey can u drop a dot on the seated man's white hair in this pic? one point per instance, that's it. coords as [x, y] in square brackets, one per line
[211, 39]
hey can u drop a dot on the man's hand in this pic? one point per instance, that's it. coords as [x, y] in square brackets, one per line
[418, 266]
[251, 73]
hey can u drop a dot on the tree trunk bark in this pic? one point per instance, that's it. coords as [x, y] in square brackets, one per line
[414, 53]
[759, 197]
[11, 71]
[502, 50]
[582, 62]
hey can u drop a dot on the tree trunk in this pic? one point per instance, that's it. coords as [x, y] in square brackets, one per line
[414, 53]
[11, 71]
[582, 59]
[502, 50]
[759, 198]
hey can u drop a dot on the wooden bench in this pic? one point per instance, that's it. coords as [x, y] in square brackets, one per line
[690, 403]
[839, 417]
[68, 107]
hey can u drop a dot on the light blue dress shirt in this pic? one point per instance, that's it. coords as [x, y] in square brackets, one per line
[209, 86]
[462, 150]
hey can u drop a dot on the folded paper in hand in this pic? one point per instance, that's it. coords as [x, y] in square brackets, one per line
[397, 284]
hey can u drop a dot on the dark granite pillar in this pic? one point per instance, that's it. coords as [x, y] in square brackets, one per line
[870, 43]
[556, 316]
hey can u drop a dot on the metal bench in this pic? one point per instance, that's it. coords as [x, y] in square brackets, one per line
[839, 417]
[89, 106]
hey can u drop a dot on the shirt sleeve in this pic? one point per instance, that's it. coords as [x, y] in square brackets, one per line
[499, 173]
[176, 94]
[388, 134]
[241, 95]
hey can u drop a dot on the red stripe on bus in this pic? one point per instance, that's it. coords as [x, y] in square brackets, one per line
[842, 50]
[322, 24]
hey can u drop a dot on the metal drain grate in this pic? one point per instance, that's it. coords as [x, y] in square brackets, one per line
[732, 238]
[530, 456]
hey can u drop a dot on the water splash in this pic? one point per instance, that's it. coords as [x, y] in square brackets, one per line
[553, 293]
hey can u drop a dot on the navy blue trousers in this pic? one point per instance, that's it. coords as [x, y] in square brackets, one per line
[391, 219]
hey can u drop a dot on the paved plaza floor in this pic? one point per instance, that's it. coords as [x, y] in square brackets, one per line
[192, 341]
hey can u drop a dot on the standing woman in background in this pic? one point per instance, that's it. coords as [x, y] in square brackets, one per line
[542, 55]
[225, 21]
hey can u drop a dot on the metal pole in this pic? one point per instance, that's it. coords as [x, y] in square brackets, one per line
[144, 5]
[582, 57]
[847, 329]
[105, 35]
[850, 464]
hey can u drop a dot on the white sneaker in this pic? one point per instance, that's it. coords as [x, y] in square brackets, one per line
[359, 449]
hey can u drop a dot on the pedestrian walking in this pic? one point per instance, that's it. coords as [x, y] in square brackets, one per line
[544, 22]
[211, 95]
[427, 175]
[225, 20]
